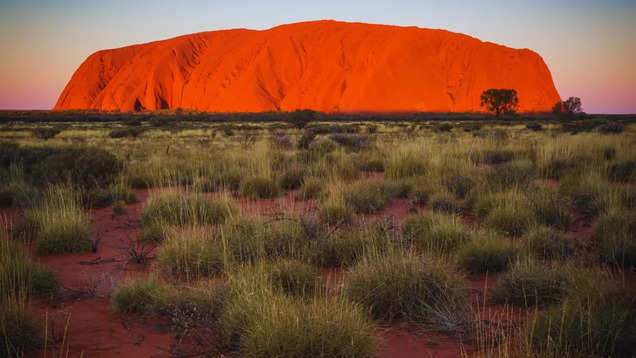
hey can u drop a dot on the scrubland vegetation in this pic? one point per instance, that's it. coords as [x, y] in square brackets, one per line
[408, 213]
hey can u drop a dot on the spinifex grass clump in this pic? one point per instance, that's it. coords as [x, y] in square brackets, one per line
[439, 233]
[547, 244]
[259, 188]
[508, 212]
[549, 208]
[290, 277]
[260, 321]
[143, 296]
[19, 273]
[346, 247]
[492, 156]
[190, 253]
[402, 285]
[531, 283]
[615, 238]
[310, 189]
[335, 211]
[602, 325]
[367, 197]
[622, 172]
[59, 224]
[176, 208]
[518, 172]
[292, 178]
[244, 238]
[443, 201]
[19, 331]
[586, 193]
[20, 278]
[486, 253]
[285, 238]
[405, 166]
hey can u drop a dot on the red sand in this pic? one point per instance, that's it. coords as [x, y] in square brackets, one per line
[97, 331]
[327, 66]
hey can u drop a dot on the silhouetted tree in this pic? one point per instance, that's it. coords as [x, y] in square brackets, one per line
[570, 106]
[500, 101]
[300, 118]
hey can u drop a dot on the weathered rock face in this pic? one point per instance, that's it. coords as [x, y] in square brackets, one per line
[323, 65]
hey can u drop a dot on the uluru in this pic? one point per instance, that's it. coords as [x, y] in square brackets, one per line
[327, 66]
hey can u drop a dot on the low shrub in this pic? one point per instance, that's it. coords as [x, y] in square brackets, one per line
[440, 233]
[615, 238]
[310, 189]
[401, 285]
[259, 188]
[421, 192]
[321, 328]
[492, 156]
[405, 166]
[611, 128]
[534, 127]
[445, 202]
[518, 172]
[457, 184]
[549, 208]
[19, 274]
[45, 133]
[548, 244]
[175, 208]
[585, 193]
[367, 197]
[285, 238]
[262, 322]
[306, 139]
[19, 331]
[322, 146]
[294, 277]
[191, 253]
[292, 178]
[335, 212]
[371, 162]
[623, 172]
[486, 253]
[354, 142]
[346, 248]
[126, 132]
[508, 212]
[529, 284]
[443, 127]
[244, 239]
[143, 296]
[85, 167]
[59, 224]
[594, 327]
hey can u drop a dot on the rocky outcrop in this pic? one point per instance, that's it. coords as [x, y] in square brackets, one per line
[326, 66]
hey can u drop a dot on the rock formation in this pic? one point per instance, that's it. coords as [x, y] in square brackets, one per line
[326, 66]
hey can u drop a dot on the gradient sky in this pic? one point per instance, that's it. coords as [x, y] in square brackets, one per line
[589, 45]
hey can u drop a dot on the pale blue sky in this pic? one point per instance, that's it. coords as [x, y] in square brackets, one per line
[590, 46]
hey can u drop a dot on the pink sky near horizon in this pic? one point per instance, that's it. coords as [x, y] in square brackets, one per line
[589, 46]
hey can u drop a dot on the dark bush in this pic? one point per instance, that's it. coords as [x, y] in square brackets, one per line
[611, 128]
[82, 166]
[534, 126]
[596, 327]
[351, 141]
[126, 133]
[45, 133]
[622, 172]
[443, 127]
[493, 156]
[306, 139]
